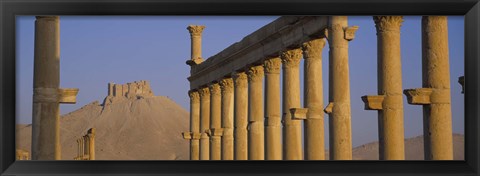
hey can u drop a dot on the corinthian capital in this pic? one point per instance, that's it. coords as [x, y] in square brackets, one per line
[272, 65]
[215, 88]
[388, 23]
[255, 73]
[240, 79]
[195, 30]
[313, 48]
[226, 85]
[204, 92]
[291, 58]
[194, 95]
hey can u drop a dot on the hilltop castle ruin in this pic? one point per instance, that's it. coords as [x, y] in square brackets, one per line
[135, 90]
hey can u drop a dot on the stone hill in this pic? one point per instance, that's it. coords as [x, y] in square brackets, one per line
[131, 125]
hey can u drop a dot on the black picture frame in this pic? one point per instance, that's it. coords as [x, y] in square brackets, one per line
[11, 8]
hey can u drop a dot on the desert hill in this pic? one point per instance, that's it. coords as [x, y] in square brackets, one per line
[133, 128]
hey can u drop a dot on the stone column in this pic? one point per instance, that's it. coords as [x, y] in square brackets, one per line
[227, 118]
[256, 149]
[240, 116]
[313, 99]
[194, 124]
[91, 143]
[215, 121]
[292, 134]
[204, 123]
[273, 128]
[339, 88]
[78, 148]
[46, 92]
[389, 101]
[196, 44]
[82, 148]
[435, 94]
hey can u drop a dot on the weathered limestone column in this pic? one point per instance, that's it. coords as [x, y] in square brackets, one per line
[292, 134]
[256, 138]
[194, 124]
[227, 118]
[241, 116]
[46, 92]
[196, 44]
[204, 123]
[435, 94]
[339, 88]
[79, 145]
[91, 143]
[313, 99]
[215, 121]
[273, 128]
[389, 101]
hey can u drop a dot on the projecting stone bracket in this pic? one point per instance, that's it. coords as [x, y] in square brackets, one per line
[373, 102]
[68, 95]
[350, 32]
[299, 113]
[329, 108]
[215, 132]
[190, 135]
[53, 95]
[187, 135]
[420, 96]
[461, 80]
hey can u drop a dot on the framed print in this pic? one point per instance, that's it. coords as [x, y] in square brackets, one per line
[248, 82]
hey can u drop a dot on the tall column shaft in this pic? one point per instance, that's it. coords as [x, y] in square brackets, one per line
[194, 123]
[204, 123]
[436, 75]
[196, 42]
[215, 120]
[91, 143]
[389, 63]
[227, 118]
[339, 90]
[313, 100]
[256, 138]
[292, 134]
[273, 128]
[241, 116]
[46, 81]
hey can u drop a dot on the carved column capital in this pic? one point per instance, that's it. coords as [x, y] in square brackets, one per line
[313, 48]
[204, 92]
[255, 73]
[240, 79]
[215, 88]
[195, 30]
[388, 23]
[272, 65]
[291, 58]
[226, 85]
[194, 95]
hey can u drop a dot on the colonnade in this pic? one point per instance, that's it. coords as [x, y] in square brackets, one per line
[245, 122]
[86, 146]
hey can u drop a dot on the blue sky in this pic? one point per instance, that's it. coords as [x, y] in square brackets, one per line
[96, 50]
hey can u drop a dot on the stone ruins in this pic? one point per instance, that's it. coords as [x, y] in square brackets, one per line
[86, 146]
[134, 90]
[233, 118]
